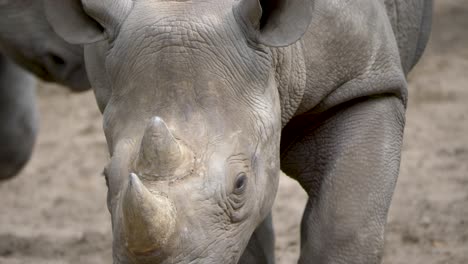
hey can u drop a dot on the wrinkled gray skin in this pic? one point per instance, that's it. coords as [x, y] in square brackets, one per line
[204, 101]
[27, 39]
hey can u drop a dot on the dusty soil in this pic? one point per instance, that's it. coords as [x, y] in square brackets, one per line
[55, 211]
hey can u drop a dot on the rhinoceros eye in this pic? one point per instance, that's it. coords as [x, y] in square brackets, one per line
[240, 184]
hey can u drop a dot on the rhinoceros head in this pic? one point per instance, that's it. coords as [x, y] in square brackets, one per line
[27, 38]
[191, 115]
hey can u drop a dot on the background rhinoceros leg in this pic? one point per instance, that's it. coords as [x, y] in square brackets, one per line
[261, 247]
[347, 159]
[18, 118]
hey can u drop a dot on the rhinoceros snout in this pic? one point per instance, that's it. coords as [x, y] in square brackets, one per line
[66, 67]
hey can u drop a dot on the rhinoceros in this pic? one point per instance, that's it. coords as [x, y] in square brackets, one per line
[27, 39]
[204, 101]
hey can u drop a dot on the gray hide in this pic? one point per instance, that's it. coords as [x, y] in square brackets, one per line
[27, 39]
[203, 101]
[18, 115]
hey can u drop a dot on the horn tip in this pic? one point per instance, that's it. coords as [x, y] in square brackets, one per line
[157, 124]
[134, 182]
[156, 120]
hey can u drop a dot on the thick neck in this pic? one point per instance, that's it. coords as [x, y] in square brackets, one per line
[290, 70]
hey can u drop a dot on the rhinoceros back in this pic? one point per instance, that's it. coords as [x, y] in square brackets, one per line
[411, 23]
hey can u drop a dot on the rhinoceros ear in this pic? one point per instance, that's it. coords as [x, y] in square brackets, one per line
[86, 21]
[275, 23]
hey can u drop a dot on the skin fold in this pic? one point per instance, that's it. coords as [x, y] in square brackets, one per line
[205, 101]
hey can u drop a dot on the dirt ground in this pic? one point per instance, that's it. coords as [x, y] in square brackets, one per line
[55, 211]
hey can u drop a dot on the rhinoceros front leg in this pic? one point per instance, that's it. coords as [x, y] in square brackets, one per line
[347, 159]
[261, 247]
[18, 117]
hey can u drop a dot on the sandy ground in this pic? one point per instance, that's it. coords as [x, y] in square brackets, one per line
[55, 211]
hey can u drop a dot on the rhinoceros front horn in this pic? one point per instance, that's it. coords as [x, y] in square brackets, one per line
[148, 219]
[160, 153]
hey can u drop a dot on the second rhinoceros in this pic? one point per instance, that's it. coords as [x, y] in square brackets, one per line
[27, 42]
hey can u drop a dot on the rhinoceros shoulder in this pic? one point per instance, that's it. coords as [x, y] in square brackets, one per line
[351, 51]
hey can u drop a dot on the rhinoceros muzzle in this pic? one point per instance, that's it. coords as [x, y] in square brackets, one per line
[149, 217]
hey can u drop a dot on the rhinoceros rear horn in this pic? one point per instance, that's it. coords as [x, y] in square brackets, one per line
[161, 155]
[148, 219]
[86, 21]
[275, 22]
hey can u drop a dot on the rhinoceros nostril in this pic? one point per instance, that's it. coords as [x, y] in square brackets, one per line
[55, 59]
